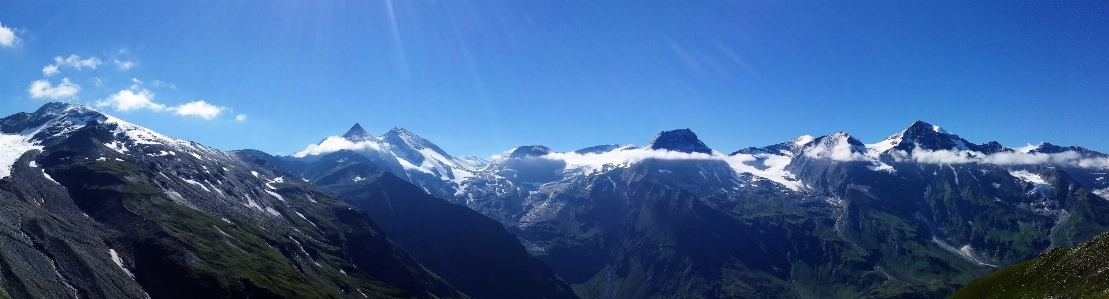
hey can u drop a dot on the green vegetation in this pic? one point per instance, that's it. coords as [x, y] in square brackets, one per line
[1074, 272]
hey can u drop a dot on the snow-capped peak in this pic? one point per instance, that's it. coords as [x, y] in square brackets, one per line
[839, 146]
[54, 122]
[357, 133]
[921, 135]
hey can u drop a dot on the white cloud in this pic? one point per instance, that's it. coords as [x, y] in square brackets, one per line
[136, 98]
[240, 117]
[49, 70]
[7, 37]
[73, 61]
[97, 81]
[76, 62]
[43, 89]
[199, 108]
[128, 100]
[124, 65]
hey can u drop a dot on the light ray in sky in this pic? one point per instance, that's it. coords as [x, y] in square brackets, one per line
[403, 63]
[475, 76]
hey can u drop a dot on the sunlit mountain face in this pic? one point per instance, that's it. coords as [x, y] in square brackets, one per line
[553, 149]
[777, 221]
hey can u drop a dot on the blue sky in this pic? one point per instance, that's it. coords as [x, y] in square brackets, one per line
[481, 77]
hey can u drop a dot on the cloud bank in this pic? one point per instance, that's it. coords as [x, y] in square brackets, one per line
[1020, 157]
[1068, 158]
[335, 143]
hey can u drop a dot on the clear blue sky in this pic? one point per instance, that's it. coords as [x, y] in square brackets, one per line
[481, 77]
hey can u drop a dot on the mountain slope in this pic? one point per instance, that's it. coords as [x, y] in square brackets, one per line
[100, 208]
[472, 252]
[1074, 272]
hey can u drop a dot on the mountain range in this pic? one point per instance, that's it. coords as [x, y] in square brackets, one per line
[98, 207]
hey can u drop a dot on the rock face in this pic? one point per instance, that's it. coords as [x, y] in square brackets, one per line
[681, 140]
[95, 207]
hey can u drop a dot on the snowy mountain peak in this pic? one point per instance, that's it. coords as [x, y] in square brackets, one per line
[680, 140]
[839, 146]
[357, 133]
[413, 147]
[922, 135]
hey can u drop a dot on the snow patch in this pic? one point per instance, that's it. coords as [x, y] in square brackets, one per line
[119, 262]
[1039, 185]
[198, 184]
[13, 146]
[275, 195]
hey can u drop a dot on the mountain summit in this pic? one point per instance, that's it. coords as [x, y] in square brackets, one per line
[357, 133]
[680, 140]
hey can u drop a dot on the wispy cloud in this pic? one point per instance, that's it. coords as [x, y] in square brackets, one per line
[43, 89]
[124, 65]
[76, 62]
[240, 117]
[200, 109]
[8, 38]
[159, 83]
[73, 61]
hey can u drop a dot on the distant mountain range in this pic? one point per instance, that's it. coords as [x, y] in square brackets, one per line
[97, 207]
[917, 214]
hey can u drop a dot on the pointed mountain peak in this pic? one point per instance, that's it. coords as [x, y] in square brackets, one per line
[357, 133]
[921, 127]
[680, 140]
[924, 136]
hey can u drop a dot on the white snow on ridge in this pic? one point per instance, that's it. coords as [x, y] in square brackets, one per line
[13, 146]
[119, 262]
[802, 140]
[592, 162]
